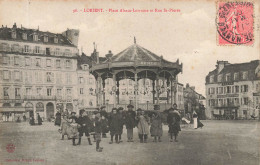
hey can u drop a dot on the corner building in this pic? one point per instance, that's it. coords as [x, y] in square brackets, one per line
[37, 72]
[233, 90]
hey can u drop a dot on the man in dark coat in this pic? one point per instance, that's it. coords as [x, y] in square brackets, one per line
[173, 120]
[121, 117]
[98, 130]
[85, 124]
[104, 122]
[114, 125]
[130, 122]
[58, 118]
[39, 119]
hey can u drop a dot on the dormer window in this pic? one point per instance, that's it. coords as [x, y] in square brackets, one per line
[45, 38]
[56, 40]
[24, 36]
[228, 77]
[35, 37]
[14, 34]
[85, 67]
[220, 78]
[245, 75]
[211, 79]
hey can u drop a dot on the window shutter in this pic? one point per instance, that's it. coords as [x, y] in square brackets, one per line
[1, 75]
[52, 77]
[21, 76]
[10, 75]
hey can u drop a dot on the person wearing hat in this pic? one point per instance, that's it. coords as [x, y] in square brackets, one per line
[73, 129]
[39, 119]
[173, 120]
[58, 118]
[84, 123]
[143, 125]
[156, 124]
[98, 130]
[130, 122]
[114, 125]
[104, 121]
[121, 117]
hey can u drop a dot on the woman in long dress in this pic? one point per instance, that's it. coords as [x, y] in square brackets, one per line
[195, 120]
[143, 126]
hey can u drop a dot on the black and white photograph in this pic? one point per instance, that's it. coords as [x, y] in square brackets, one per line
[148, 82]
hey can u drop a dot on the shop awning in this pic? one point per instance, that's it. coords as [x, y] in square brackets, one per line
[12, 109]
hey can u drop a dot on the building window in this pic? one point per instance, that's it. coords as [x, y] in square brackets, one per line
[35, 37]
[228, 77]
[235, 76]
[38, 62]
[17, 75]
[6, 60]
[245, 75]
[245, 100]
[14, 34]
[211, 79]
[49, 91]
[81, 91]
[6, 91]
[49, 77]
[85, 67]
[15, 48]
[220, 90]
[68, 78]
[81, 80]
[68, 63]
[17, 91]
[27, 61]
[26, 48]
[90, 81]
[16, 60]
[57, 51]
[220, 78]
[68, 91]
[28, 91]
[48, 62]
[228, 89]
[58, 64]
[4, 47]
[67, 52]
[6, 75]
[56, 40]
[244, 88]
[38, 91]
[211, 90]
[37, 49]
[24, 36]
[45, 38]
[59, 92]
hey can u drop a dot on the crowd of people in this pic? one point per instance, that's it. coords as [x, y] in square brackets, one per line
[101, 123]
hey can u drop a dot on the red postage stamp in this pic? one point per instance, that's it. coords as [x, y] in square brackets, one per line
[235, 23]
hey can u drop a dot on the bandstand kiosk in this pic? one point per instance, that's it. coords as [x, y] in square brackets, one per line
[136, 62]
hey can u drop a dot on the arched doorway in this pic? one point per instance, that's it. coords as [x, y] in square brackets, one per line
[29, 110]
[49, 111]
[69, 107]
[39, 109]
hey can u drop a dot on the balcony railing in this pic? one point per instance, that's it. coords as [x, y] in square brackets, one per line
[39, 97]
[33, 51]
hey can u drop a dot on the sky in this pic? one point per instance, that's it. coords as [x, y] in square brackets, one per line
[189, 35]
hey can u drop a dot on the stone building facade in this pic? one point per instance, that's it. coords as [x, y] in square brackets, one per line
[232, 90]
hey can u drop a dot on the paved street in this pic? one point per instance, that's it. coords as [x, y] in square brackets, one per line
[218, 143]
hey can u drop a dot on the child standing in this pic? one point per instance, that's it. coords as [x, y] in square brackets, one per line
[98, 131]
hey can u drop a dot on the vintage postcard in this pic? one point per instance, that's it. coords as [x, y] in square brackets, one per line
[130, 82]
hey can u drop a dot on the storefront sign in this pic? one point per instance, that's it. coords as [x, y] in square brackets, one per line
[227, 83]
[11, 101]
[256, 94]
[227, 95]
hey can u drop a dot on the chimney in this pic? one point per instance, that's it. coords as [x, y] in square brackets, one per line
[14, 26]
[221, 64]
[95, 54]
